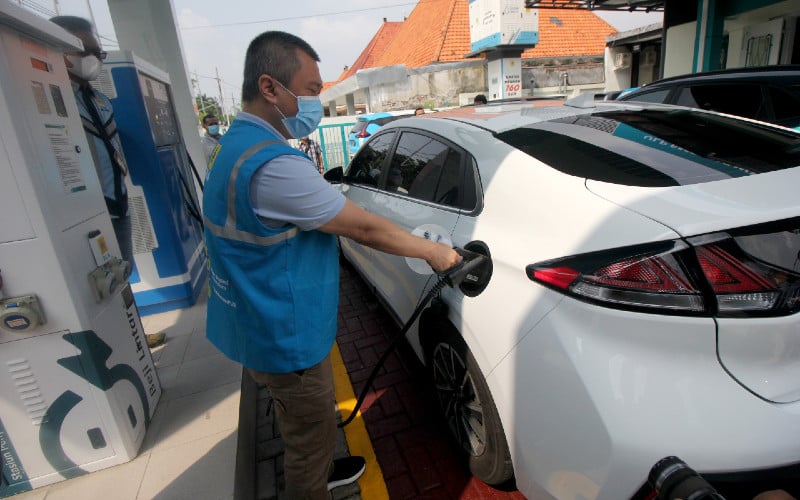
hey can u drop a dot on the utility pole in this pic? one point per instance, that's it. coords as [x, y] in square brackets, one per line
[55, 7]
[221, 99]
[91, 15]
[196, 85]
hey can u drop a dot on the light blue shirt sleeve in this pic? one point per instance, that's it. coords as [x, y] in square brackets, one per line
[289, 189]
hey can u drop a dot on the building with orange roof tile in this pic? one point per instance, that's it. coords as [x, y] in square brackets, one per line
[423, 60]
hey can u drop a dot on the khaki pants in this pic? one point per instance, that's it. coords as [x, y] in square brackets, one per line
[306, 414]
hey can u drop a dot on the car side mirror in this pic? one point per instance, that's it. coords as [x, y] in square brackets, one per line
[334, 175]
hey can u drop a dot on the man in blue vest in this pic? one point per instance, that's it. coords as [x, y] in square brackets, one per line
[271, 223]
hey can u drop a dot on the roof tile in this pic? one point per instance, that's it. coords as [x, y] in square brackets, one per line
[374, 48]
[438, 31]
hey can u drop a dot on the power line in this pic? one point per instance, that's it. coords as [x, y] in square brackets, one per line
[37, 8]
[294, 18]
[231, 85]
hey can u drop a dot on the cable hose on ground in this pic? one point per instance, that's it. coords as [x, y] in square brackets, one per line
[400, 335]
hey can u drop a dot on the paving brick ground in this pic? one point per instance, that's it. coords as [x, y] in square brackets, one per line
[416, 459]
[399, 412]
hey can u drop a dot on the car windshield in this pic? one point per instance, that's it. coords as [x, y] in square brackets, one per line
[655, 148]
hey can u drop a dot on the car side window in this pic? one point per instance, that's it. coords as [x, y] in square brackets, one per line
[731, 98]
[429, 170]
[785, 105]
[656, 96]
[367, 165]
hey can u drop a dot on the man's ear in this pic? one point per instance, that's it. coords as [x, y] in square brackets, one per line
[266, 86]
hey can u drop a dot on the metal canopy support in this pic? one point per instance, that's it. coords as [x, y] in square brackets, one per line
[610, 5]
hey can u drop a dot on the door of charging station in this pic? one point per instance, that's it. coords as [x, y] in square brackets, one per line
[77, 383]
[170, 260]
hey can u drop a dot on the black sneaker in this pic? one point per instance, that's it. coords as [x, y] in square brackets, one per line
[345, 471]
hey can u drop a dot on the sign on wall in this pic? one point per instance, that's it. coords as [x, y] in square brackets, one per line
[505, 78]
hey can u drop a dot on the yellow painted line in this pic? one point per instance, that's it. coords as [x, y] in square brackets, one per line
[373, 487]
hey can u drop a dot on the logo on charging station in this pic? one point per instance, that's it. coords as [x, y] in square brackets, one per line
[432, 232]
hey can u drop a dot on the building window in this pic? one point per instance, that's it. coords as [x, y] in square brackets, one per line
[758, 49]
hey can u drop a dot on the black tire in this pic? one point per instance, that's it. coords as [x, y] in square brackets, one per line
[467, 405]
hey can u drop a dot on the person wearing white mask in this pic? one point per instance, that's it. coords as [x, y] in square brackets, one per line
[271, 223]
[97, 116]
[211, 138]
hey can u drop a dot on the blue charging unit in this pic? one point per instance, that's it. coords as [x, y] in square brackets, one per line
[170, 260]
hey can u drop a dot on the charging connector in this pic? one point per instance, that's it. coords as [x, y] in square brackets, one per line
[464, 270]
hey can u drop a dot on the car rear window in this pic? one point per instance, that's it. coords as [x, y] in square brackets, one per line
[385, 120]
[358, 127]
[655, 148]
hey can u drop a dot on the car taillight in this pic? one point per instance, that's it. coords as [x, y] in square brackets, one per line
[700, 276]
[363, 134]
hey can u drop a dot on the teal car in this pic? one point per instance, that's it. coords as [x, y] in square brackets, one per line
[365, 126]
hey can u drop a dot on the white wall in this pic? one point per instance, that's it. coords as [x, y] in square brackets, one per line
[430, 88]
[679, 51]
[616, 79]
[759, 22]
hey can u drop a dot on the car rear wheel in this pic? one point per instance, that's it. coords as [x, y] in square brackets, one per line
[467, 406]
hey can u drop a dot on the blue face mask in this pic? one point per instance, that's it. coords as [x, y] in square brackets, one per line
[213, 130]
[309, 114]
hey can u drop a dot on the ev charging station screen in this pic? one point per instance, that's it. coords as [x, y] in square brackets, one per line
[159, 111]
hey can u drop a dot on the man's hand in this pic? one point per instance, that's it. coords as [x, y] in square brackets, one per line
[443, 258]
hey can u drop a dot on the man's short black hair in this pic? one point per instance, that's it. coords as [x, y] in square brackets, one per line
[74, 24]
[272, 53]
[480, 99]
[208, 117]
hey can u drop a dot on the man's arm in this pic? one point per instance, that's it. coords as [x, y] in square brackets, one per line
[382, 234]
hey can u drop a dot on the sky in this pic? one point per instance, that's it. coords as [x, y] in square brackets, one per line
[215, 33]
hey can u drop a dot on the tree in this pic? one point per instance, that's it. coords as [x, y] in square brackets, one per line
[207, 105]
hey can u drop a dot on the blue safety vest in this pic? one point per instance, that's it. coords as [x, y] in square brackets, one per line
[273, 292]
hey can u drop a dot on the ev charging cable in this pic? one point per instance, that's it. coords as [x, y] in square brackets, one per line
[452, 277]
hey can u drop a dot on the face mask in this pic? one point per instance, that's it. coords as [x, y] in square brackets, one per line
[309, 114]
[213, 130]
[86, 68]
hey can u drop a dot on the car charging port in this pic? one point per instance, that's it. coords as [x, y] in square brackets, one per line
[473, 273]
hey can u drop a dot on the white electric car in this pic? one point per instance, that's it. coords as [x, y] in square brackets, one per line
[641, 298]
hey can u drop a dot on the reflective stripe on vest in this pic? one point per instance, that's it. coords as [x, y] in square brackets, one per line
[229, 231]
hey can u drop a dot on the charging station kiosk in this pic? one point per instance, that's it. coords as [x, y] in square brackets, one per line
[170, 267]
[77, 383]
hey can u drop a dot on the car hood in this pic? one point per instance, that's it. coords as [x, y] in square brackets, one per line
[762, 354]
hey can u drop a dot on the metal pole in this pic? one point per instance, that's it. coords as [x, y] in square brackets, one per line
[91, 15]
[221, 99]
[233, 100]
[196, 84]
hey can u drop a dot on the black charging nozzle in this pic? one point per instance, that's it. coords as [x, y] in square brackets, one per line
[466, 270]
